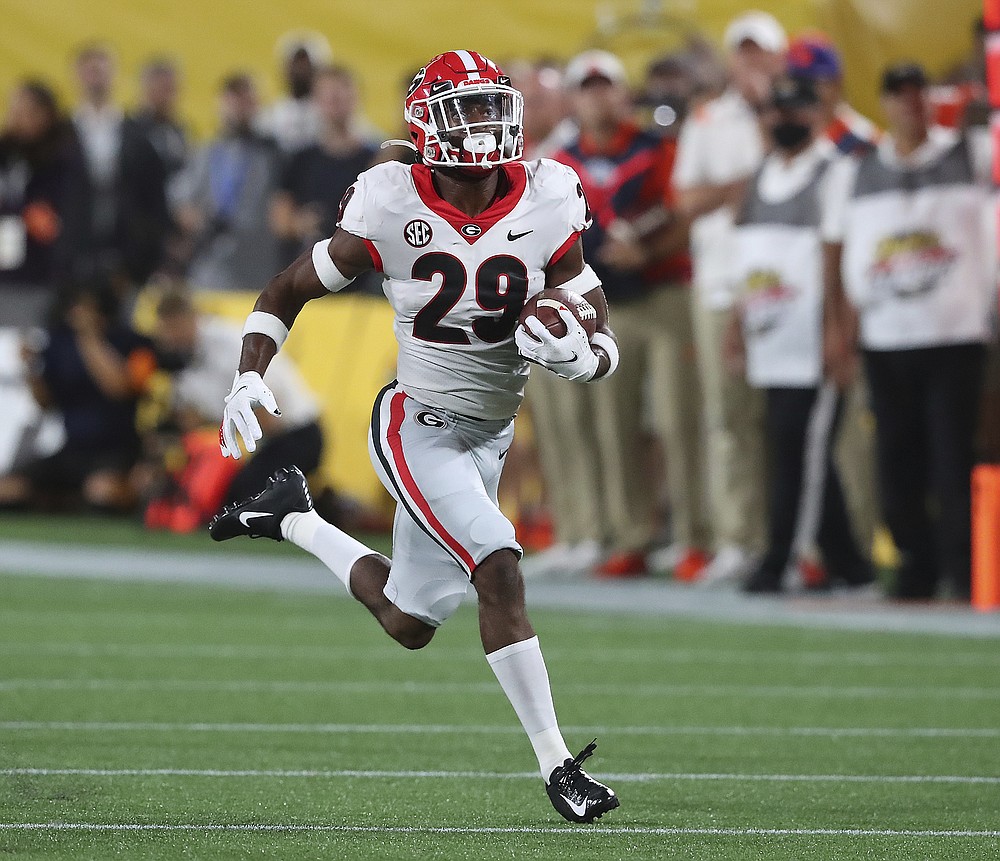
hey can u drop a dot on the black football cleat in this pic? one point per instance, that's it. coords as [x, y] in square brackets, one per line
[575, 794]
[260, 516]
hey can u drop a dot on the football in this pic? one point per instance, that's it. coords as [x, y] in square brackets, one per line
[546, 304]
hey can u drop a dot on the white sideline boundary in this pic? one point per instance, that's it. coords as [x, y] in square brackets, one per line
[507, 729]
[589, 831]
[651, 597]
[365, 774]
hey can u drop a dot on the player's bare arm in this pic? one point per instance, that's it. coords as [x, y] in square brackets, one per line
[329, 266]
[287, 293]
[559, 274]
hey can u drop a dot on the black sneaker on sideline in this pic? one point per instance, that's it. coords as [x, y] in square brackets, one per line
[575, 794]
[260, 516]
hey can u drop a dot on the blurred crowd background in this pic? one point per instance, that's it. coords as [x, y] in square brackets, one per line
[157, 167]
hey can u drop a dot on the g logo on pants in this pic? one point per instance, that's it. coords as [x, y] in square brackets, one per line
[429, 420]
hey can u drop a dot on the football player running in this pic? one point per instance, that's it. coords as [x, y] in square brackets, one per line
[462, 238]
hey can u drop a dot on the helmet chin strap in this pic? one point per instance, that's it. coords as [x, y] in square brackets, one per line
[387, 144]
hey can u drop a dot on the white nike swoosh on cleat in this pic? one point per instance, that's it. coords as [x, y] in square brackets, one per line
[246, 516]
[578, 809]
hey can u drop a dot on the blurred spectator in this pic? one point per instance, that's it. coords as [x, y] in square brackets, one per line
[547, 124]
[224, 196]
[294, 120]
[814, 58]
[777, 338]
[117, 220]
[561, 412]
[36, 155]
[675, 84]
[911, 278]
[313, 184]
[198, 351]
[91, 370]
[157, 116]
[720, 147]
[638, 247]
[961, 99]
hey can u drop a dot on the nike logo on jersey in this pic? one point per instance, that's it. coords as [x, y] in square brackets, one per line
[578, 809]
[503, 454]
[247, 516]
[511, 236]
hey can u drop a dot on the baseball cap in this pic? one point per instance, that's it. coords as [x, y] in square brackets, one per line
[897, 76]
[794, 91]
[813, 58]
[594, 64]
[760, 28]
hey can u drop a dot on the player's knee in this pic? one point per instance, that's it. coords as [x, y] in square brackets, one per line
[414, 638]
[409, 632]
[498, 579]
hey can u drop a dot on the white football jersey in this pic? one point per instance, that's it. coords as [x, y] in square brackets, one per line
[458, 284]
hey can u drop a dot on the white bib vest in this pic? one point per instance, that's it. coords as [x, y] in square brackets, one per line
[777, 268]
[917, 261]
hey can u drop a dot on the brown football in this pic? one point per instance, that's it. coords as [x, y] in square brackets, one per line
[546, 304]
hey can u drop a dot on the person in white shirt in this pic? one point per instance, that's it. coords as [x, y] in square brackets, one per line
[776, 340]
[720, 147]
[294, 120]
[197, 350]
[910, 278]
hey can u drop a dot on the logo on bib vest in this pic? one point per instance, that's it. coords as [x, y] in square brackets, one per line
[909, 264]
[765, 298]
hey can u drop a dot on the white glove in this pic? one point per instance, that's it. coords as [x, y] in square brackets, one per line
[248, 391]
[570, 356]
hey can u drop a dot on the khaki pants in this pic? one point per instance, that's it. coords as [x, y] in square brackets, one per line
[855, 455]
[734, 423]
[562, 415]
[658, 371]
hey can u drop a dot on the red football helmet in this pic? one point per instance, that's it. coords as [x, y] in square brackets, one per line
[463, 112]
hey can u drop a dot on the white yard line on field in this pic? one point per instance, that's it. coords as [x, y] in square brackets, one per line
[490, 687]
[369, 774]
[661, 657]
[477, 729]
[589, 831]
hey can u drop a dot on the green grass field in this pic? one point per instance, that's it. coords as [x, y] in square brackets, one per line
[155, 721]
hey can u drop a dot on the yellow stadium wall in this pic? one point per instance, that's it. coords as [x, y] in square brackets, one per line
[385, 40]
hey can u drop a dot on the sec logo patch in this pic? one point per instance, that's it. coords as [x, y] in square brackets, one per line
[417, 233]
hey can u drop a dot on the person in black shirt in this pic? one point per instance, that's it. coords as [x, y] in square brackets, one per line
[92, 370]
[315, 179]
[36, 151]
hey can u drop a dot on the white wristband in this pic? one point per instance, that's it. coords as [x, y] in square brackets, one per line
[263, 323]
[606, 343]
[583, 282]
[330, 276]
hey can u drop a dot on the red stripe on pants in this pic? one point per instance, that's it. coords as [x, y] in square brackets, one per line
[396, 416]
